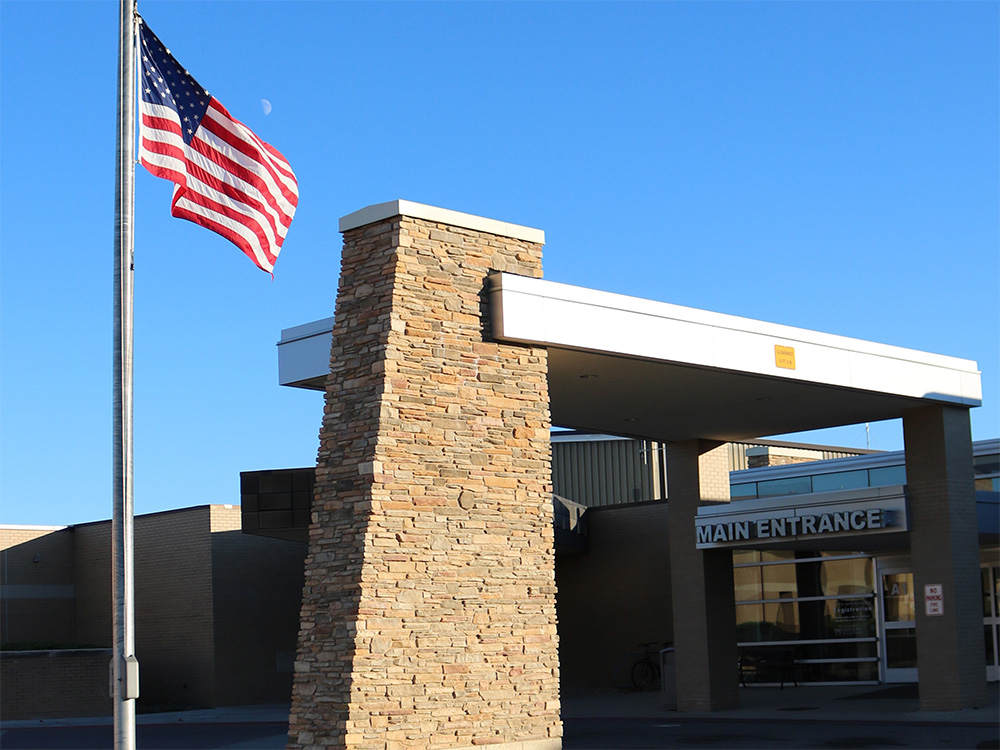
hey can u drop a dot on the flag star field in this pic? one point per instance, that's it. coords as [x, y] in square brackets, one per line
[164, 82]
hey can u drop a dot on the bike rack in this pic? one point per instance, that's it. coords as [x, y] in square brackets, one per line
[630, 658]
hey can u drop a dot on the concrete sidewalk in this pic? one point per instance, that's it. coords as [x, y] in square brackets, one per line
[857, 703]
[257, 714]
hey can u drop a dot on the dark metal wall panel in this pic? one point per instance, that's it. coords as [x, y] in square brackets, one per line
[277, 503]
[599, 473]
[610, 471]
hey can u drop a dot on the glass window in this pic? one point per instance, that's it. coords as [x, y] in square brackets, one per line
[790, 486]
[996, 592]
[887, 475]
[744, 556]
[986, 465]
[830, 620]
[835, 633]
[897, 597]
[840, 650]
[843, 577]
[775, 555]
[840, 480]
[987, 593]
[783, 618]
[808, 577]
[778, 581]
[901, 648]
[750, 623]
[743, 491]
[747, 583]
[850, 618]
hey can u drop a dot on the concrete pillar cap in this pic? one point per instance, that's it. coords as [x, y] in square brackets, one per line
[380, 211]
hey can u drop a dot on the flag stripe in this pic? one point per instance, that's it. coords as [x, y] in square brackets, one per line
[222, 204]
[247, 227]
[225, 142]
[236, 134]
[212, 182]
[226, 178]
[250, 249]
[217, 164]
[217, 192]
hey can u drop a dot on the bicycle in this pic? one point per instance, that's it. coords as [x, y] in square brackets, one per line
[646, 671]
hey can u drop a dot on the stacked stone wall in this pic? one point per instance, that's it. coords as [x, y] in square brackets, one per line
[428, 616]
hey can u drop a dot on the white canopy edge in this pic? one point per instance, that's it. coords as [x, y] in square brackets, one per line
[546, 313]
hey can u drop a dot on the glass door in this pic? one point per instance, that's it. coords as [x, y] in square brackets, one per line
[899, 627]
[991, 620]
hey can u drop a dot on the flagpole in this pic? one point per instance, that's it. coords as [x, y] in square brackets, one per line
[124, 667]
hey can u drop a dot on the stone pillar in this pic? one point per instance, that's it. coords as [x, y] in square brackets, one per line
[944, 545]
[702, 581]
[428, 613]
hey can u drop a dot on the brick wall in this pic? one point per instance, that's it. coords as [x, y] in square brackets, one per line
[92, 562]
[36, 581]
[216, 610]
[428, 615]
[173, 602]
[54, 684]
[257, 585]
[614, 597]
[941, 495]
[702, 581]
[777, 459]
[174, 628]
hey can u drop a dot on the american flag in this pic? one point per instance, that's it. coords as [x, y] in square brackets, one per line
[226, 178]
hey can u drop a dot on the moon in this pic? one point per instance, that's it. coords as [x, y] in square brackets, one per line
[266, 106]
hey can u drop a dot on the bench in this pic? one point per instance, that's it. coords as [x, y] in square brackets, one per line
[768, 664]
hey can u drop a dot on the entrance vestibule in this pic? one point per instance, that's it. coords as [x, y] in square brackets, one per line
[819, 606]
[846, 617]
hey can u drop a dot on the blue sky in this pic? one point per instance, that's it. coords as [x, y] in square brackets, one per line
[832, 166]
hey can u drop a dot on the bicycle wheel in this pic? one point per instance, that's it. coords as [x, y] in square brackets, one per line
[643, 675]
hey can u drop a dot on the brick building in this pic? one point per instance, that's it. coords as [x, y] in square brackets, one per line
[216, 611]
[428, 610]
[690, 379]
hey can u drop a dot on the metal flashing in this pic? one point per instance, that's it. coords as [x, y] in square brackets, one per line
[381, 211]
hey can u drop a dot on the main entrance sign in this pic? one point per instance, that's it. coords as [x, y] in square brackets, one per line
[780, 528]
[754, 522]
